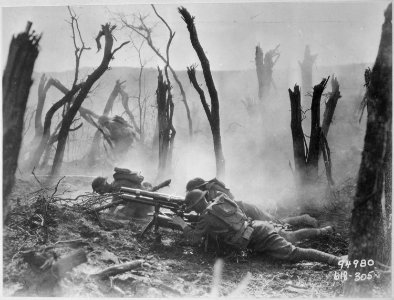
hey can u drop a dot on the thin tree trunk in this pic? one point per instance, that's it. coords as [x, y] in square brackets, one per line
[314, 143]
[165, 108]
[366, 229]
[330, 106]
[297, 133]
[17, 81]
[214, 112]
[259, 61]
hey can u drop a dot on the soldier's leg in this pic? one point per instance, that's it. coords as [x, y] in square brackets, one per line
[314, 255]
[303, 220]
[307, 233]
[265, 239]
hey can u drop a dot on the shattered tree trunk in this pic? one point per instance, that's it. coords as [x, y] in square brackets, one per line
[297, 134]
[312, 161]
[212, 114]
[306, 159]
[264, 68]
[366, 229]
[306, 69]
[17, 81]
[106, 31]
[165, 111]
[259, 61]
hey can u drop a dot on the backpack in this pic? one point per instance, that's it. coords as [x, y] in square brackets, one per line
[226, 210]
[126, 174]
[215, 187]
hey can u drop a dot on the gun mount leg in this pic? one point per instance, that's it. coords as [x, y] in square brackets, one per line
[147, 228]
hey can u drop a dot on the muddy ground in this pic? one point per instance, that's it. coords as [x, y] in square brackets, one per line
[166, 268]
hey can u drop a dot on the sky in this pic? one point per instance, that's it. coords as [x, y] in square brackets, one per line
[339, 32]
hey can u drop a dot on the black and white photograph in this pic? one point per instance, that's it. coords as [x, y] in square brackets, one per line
[197, 149]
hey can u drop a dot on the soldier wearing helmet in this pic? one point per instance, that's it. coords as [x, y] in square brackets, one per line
[124, 178]
[215, 187]
[225, 220]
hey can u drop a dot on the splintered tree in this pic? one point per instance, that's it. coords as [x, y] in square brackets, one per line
[264, 69]
[22, 55]
[306, 158]
[213, 115]
[141, 28]
[367, 239]
[108, 55]
[165, 112]
[306, 69]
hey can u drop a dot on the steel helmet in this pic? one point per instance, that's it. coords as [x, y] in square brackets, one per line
[193, 198]
[97, 182]
[195, 183]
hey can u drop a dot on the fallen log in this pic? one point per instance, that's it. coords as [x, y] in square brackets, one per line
[47, 271]
[119, 269]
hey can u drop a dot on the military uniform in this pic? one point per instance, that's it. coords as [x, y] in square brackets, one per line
[215, 187]
[224, 219]
[127, 178]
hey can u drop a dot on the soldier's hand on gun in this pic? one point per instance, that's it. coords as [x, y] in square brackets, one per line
[179, 221]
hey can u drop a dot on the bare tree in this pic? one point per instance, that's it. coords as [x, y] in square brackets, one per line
[141, 100]
[366, 229]
[213, 113]
[165, 109]
[146, 33]
[106, 32]
[17, 81]
[306, 68]
[264, 68]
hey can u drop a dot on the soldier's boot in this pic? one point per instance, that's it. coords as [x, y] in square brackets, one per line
[303, 220]
[313, 255]
[306, 233]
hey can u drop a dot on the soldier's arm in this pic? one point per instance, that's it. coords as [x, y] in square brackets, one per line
[193, 235]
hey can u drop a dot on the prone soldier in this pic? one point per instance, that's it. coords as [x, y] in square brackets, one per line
[124, 178]
[226, 221]
[215, 187]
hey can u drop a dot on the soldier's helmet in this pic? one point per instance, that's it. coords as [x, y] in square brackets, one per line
[97, 183]
[193, 198]
[194, 184]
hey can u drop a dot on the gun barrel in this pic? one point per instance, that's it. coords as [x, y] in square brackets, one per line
[149, 201]
[153, 195]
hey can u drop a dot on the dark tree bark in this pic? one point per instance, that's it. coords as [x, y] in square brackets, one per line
[314, 142]
[165, 109]
[366, 230]
[17, 81]
[331, 104]
[35, 160]
[306, 159]
[264, 68]
[213, 116]
[106, 31]
[306, 69]
[297, 133]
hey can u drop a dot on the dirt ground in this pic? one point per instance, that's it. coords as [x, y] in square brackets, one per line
[169, 268]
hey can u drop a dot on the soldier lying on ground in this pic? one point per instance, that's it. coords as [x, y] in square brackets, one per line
[215, 187]
[124, 178]
[225, 220]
